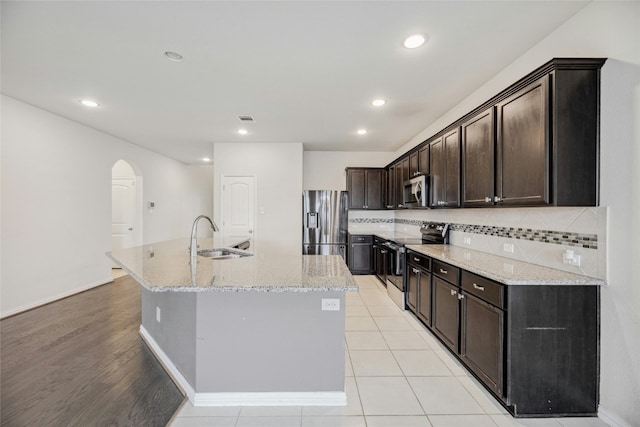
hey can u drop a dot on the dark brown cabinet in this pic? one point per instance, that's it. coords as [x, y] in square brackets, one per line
[360, 254]
[414, 164]
[536, 143]
[402, 175]
[478, 160]
[419, 161]
[391, 187]
[380, 259]
[523, 146]
[419, 284]
[535, 347]
[481, 340]
[423, 160]
[545, 147]
[413, 284]
[397, 174]
[446, 312]
[366, 188]
[445, 170]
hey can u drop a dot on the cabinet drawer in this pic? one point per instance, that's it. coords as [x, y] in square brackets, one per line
[447, 271]
[419, 260]
[483, 288]
[361, 239]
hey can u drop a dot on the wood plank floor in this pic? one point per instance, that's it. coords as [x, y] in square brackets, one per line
[80, 362]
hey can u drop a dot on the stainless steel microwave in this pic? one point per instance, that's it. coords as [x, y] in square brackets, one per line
[416, 192]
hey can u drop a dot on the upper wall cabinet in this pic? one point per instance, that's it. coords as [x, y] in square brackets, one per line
[478, 161]
[523, 146]
[419, 162]
[445, 170]
[535, 143]
[366, 188]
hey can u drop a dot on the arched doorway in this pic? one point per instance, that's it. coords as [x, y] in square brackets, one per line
[126, 207]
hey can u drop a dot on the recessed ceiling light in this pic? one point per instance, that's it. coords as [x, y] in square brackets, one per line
[378, 102]
[361, 132]
[89, 103]
[206, 159]
[414, 41]
[173, 56]
[243, 131]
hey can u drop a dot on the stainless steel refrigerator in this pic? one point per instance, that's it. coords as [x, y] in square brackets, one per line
[324, 223]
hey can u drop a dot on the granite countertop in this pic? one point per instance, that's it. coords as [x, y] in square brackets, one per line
[503, 270]
[167, 266]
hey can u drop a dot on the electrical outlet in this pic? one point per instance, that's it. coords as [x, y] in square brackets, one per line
[330, 304]
[507, 247]
[158, 314]
[467, 240]
[569, 257]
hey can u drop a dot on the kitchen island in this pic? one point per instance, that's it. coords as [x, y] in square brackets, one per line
[264, 329]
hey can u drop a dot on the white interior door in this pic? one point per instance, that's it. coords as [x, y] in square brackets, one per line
[238, 208]
[123, 197]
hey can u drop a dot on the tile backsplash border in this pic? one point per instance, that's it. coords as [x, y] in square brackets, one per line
[540, 234]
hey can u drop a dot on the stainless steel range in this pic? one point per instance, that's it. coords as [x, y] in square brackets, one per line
[433, 233]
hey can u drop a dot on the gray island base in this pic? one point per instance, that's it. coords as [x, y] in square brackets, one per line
[249, 331]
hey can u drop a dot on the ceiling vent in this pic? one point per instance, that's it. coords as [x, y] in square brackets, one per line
[246, 119]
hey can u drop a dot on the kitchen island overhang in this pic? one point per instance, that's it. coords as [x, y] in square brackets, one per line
[245, 331]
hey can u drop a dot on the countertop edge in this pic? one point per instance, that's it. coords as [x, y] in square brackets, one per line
[564, 278]
[230, 288]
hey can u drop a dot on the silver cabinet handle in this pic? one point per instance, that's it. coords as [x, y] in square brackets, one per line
[460, 296]
[453, 292]
[480, 288]
[416, 259]
[497, 199]
[487, 199]
[415, 270]
[383, 252]
[444, 271]
[401, 205]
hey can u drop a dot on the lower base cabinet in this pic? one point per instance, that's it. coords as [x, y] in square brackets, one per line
[481, 340]
[360, 254]
[534, 347]
[446, 312]
[418, 290]
[413, 284]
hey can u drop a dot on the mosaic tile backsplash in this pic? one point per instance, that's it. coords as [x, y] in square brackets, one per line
[539, 235]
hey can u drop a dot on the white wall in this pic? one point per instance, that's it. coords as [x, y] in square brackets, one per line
[324, 170]
[611, 30]
[56, 203]
[278, 171]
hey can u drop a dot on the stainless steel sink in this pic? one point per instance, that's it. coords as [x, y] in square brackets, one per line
[222, 253]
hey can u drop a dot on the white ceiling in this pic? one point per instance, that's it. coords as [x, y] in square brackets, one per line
[305, 70]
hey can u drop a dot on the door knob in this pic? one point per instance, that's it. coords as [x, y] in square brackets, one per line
[250, 231]
[130, 228]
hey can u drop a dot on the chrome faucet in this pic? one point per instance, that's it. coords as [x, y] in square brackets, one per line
[193, 247]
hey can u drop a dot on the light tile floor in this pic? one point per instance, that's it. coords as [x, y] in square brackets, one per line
[397, 374]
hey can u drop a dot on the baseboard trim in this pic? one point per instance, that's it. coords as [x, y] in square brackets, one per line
[612, 419]
[45, 301]
[312, 398]
[320, 398]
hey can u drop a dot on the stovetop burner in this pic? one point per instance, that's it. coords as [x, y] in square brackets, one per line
[434, 233]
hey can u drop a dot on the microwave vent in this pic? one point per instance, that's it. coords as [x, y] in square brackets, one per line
[246, 119]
